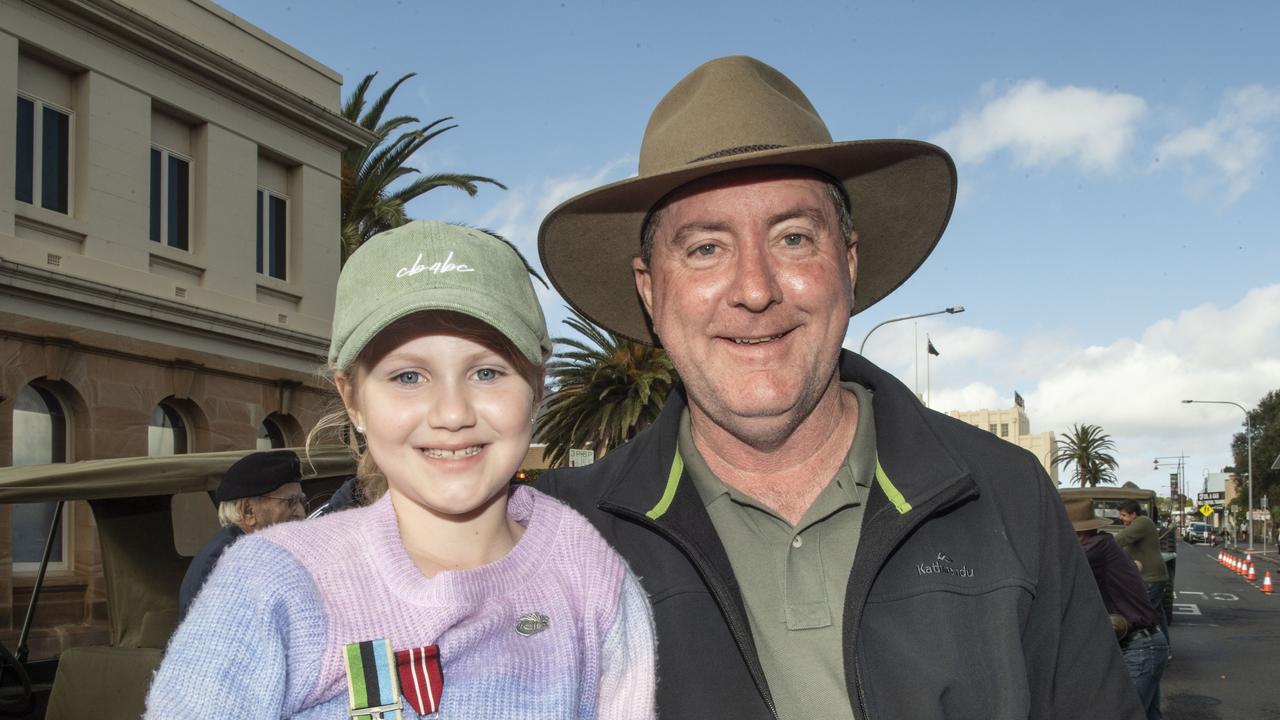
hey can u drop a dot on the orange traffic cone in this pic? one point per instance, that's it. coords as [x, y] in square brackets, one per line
[1266, 583]
[1219, 557]
[1253, 574]
[1248, 558]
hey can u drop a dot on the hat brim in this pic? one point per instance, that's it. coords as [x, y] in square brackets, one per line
[902, 193]
[460, 300]
[1094, 524]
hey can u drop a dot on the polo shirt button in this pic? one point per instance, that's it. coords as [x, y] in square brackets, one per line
[797, 541]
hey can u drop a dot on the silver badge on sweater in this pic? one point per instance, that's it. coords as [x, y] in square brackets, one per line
[532, 624]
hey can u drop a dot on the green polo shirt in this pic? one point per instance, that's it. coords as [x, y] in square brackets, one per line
[793, 579]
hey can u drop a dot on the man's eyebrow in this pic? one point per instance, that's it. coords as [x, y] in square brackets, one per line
[694, 227]
[809, 213]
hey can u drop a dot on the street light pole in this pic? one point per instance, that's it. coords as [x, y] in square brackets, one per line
[1248, 444]
[1182, 485]
[950, 311]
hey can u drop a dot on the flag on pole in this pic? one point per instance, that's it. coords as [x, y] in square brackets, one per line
[932, 350]
[1017, 400]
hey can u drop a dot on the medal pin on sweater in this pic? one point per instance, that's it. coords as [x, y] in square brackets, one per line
[377, 677]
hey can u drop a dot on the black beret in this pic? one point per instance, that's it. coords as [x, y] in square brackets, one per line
[258, 474]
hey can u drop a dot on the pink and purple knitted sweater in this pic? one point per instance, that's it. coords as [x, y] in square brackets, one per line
[265, 635]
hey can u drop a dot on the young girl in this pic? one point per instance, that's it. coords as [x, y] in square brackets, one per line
[452, 593]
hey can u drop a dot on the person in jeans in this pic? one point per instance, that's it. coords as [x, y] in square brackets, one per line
[1142, 540]
[1145, 648]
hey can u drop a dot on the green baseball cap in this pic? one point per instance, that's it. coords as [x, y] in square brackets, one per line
[430, 265]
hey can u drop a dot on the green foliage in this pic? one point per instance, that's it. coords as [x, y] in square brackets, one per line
[369, 204]
[1265, 419]
[1088, 451]
[601, 391]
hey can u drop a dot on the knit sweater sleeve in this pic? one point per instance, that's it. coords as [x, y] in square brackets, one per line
[251, 644]
[628, 664]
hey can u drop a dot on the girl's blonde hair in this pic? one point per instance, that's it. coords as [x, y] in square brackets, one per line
[336, 427]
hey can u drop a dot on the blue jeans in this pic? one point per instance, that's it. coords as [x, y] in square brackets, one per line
[1155, 595]
[1145, 659]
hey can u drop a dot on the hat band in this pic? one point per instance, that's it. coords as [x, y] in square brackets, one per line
[740, 150]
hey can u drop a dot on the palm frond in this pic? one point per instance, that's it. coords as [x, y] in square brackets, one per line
[375, 193]
[602, 390]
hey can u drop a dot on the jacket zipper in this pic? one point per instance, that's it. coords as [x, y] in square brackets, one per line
[717, 590]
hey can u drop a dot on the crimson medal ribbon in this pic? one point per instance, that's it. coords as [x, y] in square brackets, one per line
[421, 677]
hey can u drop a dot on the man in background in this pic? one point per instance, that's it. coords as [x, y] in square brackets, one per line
[1144, 647]
[1142, 540]
[258, 491]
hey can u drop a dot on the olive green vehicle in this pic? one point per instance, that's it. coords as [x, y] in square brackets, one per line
[152, 515]
[1106, 504]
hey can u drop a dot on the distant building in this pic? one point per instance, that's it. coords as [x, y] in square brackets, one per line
[1013, 425]
[1217, 482]
[169, 221]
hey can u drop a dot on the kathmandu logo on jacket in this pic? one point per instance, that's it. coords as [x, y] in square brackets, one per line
[942, 565]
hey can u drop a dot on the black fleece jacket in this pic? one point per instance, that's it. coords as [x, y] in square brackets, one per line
[969, 596]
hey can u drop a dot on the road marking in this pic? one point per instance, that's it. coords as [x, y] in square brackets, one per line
[1186, 609]
[1219, 596]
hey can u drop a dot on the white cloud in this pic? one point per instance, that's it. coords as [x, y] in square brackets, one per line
[1131, 387]
[1226, 154]
[1042, 126]
[519, 213]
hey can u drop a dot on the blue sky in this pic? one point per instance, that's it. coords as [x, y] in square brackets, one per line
[1115, 242]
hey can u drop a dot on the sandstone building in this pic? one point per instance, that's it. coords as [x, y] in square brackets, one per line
[169, 209]
[1013, 425]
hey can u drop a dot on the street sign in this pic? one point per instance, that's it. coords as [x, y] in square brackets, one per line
[1205, 510]
[1259, 514]
[1214, 499]
[578, 458]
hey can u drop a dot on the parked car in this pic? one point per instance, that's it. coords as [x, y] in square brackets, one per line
[1198, 532]
[152, 515]
[1106, 504]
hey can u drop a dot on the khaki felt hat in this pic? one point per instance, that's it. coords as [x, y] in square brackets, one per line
[731, 113]
[1080, 513]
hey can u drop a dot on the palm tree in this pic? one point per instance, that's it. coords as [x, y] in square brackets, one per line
[602, 390]
[369, 205]
[1088, 449]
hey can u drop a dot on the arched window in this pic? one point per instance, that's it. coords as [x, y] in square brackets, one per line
[167, 432]
[271, 435]
[39, 437]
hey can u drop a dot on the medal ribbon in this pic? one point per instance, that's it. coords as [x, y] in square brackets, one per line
[371, 684]
[421, 677]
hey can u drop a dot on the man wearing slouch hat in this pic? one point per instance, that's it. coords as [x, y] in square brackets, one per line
[816, 543]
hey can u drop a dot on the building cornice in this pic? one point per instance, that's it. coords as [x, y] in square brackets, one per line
[70, 291]
[139, 33]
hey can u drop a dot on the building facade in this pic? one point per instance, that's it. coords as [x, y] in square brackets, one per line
[169, 223]
[1013, 425]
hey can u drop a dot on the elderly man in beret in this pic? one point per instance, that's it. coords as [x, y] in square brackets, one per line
[257, 491]
[815, 542]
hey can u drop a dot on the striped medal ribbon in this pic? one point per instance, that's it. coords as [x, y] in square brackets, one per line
[421, 677]
[371, 681]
